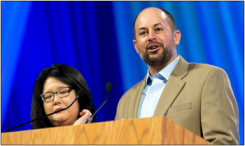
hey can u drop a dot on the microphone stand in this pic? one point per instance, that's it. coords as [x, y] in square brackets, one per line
[108, 88]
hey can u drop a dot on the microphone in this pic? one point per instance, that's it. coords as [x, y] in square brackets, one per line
[108, 89]
[79, 94]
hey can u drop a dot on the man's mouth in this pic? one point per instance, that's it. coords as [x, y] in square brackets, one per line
[152, 48]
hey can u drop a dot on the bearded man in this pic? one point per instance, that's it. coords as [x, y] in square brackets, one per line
[198, 97]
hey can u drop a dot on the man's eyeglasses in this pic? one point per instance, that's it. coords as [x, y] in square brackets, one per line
[62, 92]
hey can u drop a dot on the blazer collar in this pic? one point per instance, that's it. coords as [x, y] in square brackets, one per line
[172, 87]
[181, 68]
[171, 90]
[134, 99]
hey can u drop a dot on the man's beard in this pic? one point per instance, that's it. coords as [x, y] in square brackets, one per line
[162, 58]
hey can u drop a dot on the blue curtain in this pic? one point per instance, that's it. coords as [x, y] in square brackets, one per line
[96, 38]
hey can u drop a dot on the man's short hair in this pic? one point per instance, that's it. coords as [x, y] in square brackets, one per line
[170, 21]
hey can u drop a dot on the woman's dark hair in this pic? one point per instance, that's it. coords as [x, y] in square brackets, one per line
[68, 75]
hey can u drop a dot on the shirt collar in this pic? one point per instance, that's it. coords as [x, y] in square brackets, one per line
[164, 74]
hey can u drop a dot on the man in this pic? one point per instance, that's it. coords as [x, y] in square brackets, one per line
[198, 97]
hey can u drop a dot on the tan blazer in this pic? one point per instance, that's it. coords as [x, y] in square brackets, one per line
[198, 97]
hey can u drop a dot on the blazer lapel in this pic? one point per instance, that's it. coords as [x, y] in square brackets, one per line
[134, 99]
[172, 87]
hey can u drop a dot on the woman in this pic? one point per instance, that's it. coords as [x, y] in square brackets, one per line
[55, 89]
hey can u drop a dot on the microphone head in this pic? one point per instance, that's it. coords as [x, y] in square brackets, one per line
[108, 86]
[80, 92]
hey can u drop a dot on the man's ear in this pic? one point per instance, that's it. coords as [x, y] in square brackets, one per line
[177, 36]
[135, 46]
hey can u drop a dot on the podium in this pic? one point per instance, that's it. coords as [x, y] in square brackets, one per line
[154, 130]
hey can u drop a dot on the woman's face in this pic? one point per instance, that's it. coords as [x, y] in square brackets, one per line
[66, 117]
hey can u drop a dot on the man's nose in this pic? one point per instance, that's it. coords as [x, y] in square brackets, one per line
[151, 36]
